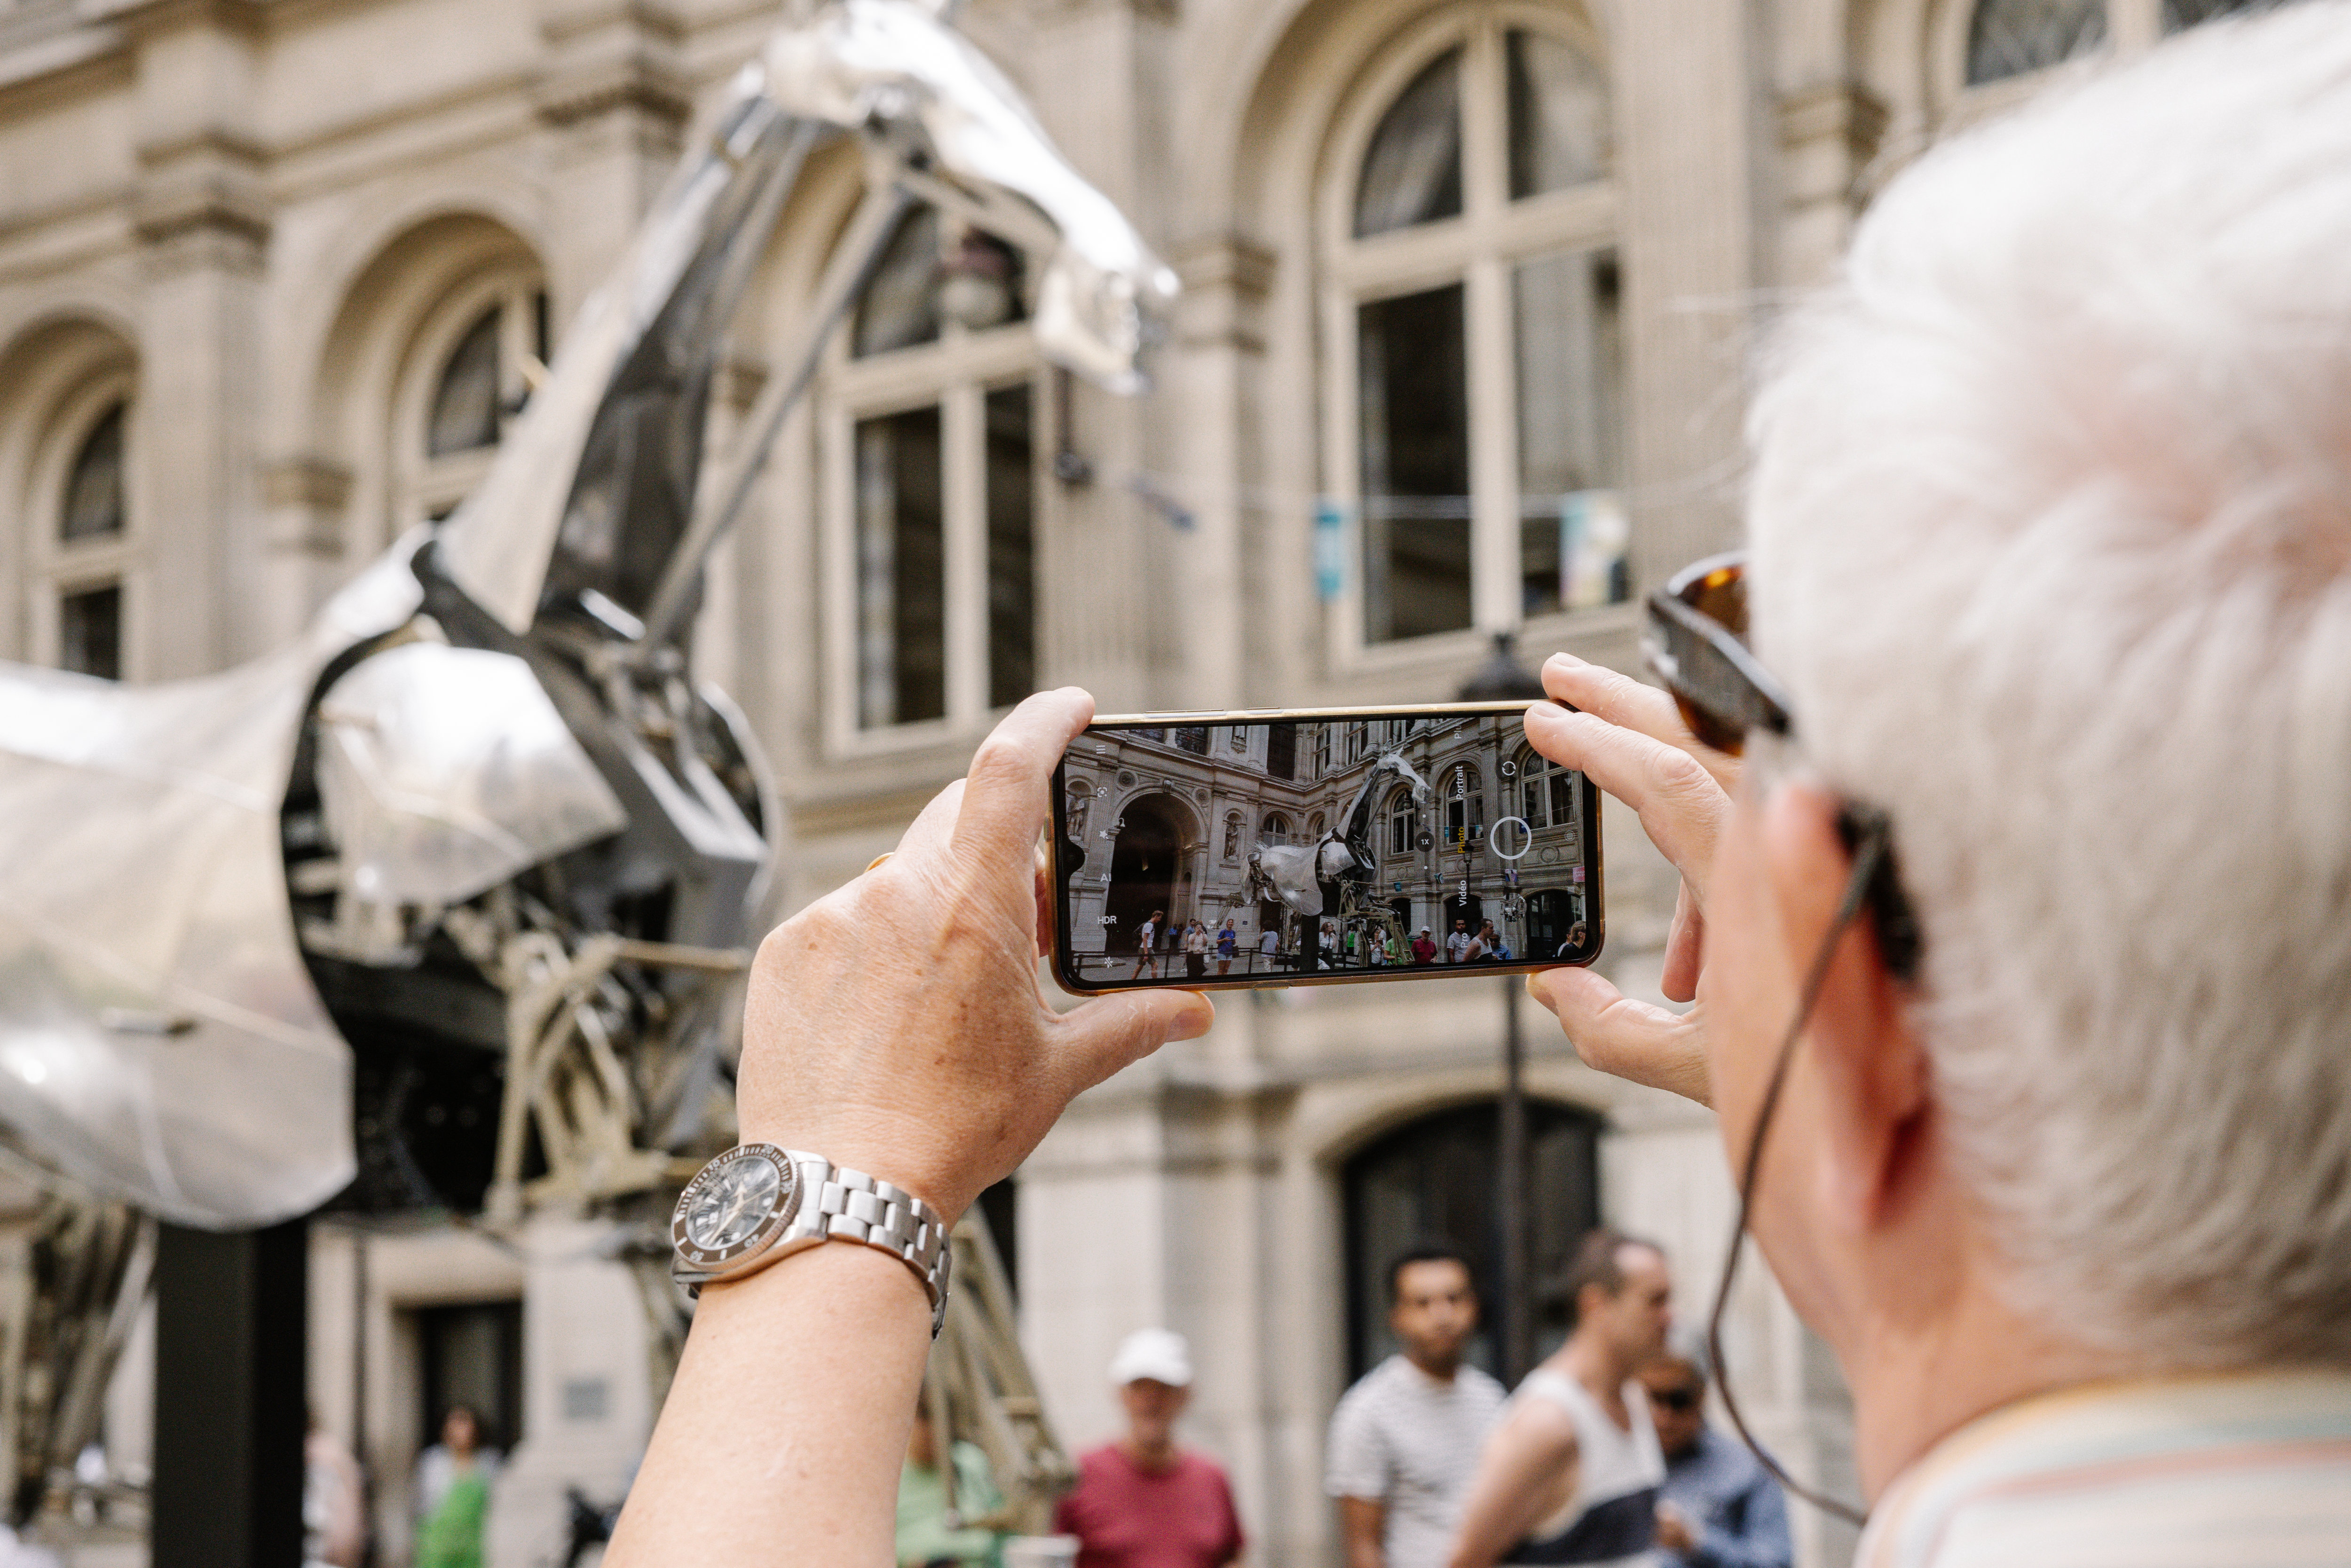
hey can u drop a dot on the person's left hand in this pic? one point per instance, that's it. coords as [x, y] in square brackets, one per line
[895, 1025]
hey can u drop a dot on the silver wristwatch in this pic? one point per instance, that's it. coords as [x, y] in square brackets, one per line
[757, 1203]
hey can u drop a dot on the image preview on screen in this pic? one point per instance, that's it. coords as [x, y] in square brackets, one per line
[1317, 848]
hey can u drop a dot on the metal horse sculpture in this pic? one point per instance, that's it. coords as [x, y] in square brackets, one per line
[479, 810]
[1294, 874]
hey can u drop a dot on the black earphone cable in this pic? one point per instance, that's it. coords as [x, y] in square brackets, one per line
[1869, 855]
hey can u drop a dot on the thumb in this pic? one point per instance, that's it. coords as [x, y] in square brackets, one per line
[1106, 1034]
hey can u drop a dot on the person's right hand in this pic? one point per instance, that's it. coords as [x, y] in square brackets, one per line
[895, 1025]
[1630, 741]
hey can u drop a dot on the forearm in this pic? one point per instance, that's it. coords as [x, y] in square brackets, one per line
[1364, 1521]
[782, 1437]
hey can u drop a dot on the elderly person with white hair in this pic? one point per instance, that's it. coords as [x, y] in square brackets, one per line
[2022, 941]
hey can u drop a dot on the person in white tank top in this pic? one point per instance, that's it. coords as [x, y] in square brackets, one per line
[1571, 1472]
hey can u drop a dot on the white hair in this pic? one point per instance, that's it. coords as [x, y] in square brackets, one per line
[2051, 546]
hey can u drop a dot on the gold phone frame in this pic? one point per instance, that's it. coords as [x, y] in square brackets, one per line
[1595, 899]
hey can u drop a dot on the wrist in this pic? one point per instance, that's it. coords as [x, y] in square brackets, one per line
[883, 1158]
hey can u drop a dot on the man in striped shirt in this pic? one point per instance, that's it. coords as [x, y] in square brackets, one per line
[1404, 1440]
[2022, 944]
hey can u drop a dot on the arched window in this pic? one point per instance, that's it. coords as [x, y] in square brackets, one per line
[1233, 835]
[931, 439]
[1404, 824]
[2009, 38]
[1434, 1179]
[1547, 791]
[90, 559]
[1473, 292]
[479, 350]
[93, 500]
[1465, 806]
[1274, 830]
[2015, 38]
[1315, 825]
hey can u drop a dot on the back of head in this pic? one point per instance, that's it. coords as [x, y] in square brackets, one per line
[1598, 1260]
[2052, 523]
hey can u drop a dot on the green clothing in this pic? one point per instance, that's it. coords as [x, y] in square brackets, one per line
[923, 1533]
[451, 1535]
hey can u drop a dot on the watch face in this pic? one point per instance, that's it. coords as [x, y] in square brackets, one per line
[739, 1199]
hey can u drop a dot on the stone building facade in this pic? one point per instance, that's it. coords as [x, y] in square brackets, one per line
[1468, 289]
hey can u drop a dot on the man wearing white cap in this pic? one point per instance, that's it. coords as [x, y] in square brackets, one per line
[1141, 1501]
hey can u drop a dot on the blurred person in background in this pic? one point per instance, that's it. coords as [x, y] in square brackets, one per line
[1717, 1509]
[334, 1501]
[1571, 1472]
[1141, 1501]
[930, 1533]
[1404, 1438]
[453, 1478]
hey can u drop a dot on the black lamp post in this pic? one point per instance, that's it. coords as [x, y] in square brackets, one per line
[1503, 679]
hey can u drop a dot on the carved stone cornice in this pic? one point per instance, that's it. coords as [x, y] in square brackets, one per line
[613, 55]
[1225, 281]
[1841, 111]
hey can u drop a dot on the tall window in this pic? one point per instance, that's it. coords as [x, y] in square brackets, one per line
[1274, 830]
[1474, 293]
[934, 424]
[1404, 824]
[2015, 38]
[481, 348]
[1547, 791]
[1464, 807]
[93, 524]
[1280, 751]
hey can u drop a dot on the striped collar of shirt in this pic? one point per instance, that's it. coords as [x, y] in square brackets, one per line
[2237, 1469]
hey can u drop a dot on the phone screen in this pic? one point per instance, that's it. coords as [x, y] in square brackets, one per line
[1402, 844]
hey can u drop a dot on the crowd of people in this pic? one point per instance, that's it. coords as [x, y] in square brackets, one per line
[1164, 949]
[1603, 1455]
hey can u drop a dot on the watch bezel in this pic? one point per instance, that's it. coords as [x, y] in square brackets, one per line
[790, 1192]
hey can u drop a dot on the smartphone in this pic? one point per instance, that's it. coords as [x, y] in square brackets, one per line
[1213, 851]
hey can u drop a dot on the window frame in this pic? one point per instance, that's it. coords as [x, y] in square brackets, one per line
[62, 568]
[2133, 27]
[1478, 249]
[422, 483]
[954, 372]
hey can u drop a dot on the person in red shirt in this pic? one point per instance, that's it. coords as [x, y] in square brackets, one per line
[1141, 1501]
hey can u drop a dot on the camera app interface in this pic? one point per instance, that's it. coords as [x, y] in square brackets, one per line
[1254, 851]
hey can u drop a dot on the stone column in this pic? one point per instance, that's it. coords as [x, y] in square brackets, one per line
[1095, 72]
[1210, 368]
[202, 221]
[1685, 91]
[615, 93]
[588, 1400]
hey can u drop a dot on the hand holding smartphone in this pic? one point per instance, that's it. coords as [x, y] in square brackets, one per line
[1213, 851]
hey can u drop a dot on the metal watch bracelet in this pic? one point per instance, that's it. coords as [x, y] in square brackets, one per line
[756, 1204]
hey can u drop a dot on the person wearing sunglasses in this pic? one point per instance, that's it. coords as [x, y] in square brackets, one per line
[2021, 936]
[1717, 1509]
[2005, 780]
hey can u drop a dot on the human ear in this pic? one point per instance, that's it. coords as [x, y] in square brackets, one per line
[1868, 1065]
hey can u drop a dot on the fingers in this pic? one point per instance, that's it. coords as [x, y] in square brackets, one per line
[1627, 1038]
[1100, 1037]
[1685, 948]
[1005, 794]
[1680, 804]
[1622, 700]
